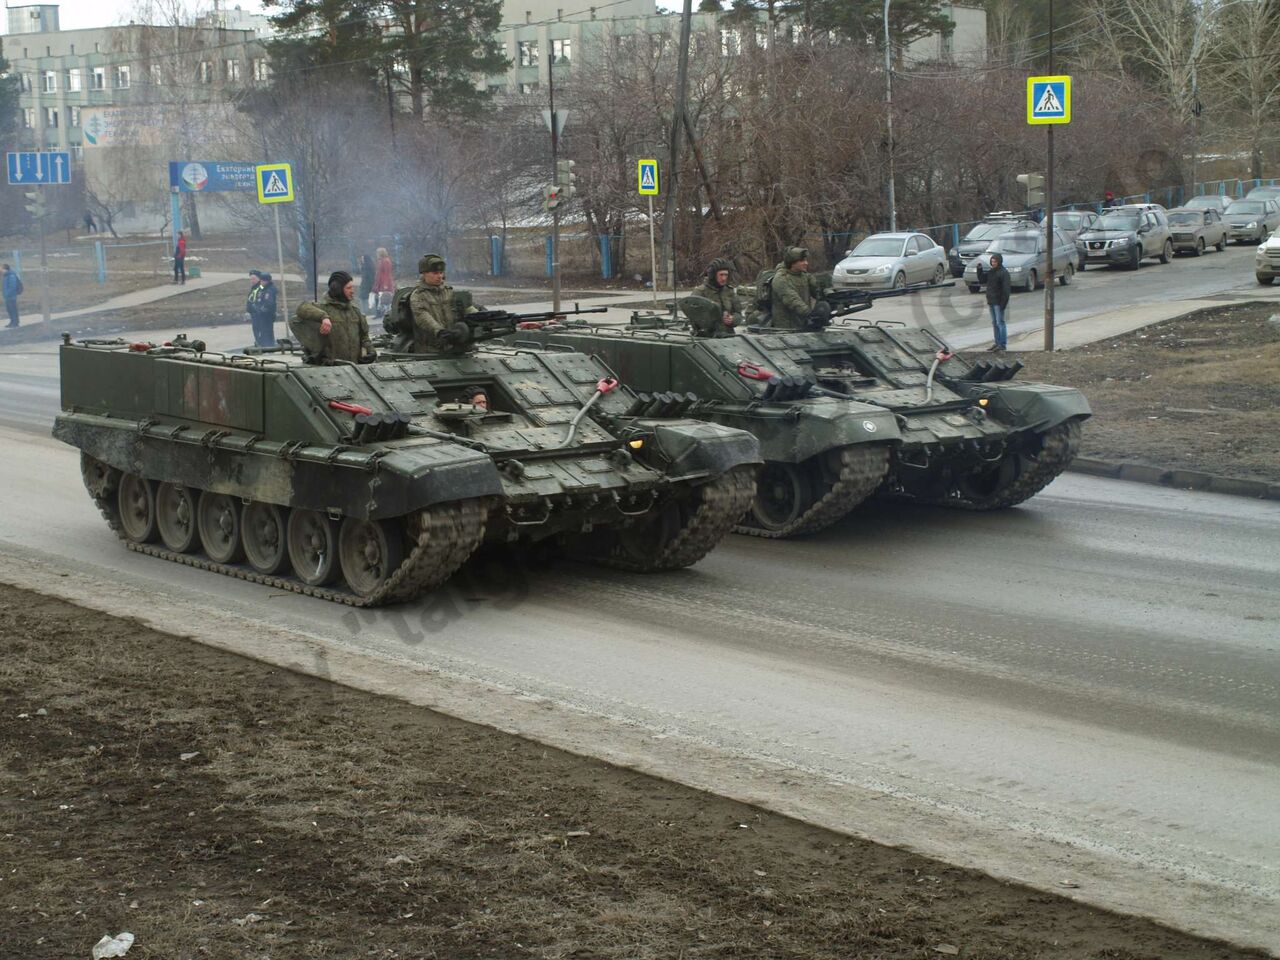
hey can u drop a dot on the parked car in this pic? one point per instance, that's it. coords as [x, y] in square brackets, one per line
[1073, 223]
[1252, 220]
[1194, 230]
[1264, 193]
[891, 260]
[1023, 252]
[1209, 201]
[1125, 236]
[979, 238]
[1266, 265]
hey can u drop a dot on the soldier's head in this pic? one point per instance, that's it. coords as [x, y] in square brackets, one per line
[718, 272]
[341, 285]
[476, 396]
[431, 268]
[796, 260]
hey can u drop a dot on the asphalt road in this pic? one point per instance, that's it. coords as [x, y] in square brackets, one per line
[1082, 693]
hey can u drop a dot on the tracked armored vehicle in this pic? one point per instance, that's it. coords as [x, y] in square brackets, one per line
[373, 483]
[848, 410]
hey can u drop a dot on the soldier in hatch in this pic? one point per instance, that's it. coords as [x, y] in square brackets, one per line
[794, 292]
[333, 329]
[434, 307]
[716, 288]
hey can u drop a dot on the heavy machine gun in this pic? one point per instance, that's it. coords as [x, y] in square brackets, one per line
[481, 325]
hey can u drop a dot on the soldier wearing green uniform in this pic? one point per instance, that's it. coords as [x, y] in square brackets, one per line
[716, 289]
[333, 329]
[794, 291]
[434, 307]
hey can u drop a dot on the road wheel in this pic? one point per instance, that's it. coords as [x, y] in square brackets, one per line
[136, 499]
[1064, 278]
[1200, 246]
[1265, 281]
[219, 520]
[900, 281]
[313, 547]
[176, 517]
[262, 527]
[1033, 281]
[370, 551]
[1166, 253]
[783, 494]
[939, 275]
[975, 288]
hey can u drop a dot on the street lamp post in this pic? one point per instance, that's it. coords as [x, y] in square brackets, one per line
[888, 113]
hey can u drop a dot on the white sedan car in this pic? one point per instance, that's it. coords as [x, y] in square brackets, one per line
[888, 260]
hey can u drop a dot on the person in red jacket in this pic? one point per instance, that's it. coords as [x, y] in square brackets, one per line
[384, 283]
[180, 259]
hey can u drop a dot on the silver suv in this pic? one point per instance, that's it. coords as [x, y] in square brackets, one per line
[1125, 236]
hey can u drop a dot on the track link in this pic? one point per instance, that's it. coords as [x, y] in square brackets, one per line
[1059, 447]
[862, 470]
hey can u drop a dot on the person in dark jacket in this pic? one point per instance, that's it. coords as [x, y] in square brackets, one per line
[367, 271]
[12, 288]
[262, 310]
[716, 289]
[998, 290]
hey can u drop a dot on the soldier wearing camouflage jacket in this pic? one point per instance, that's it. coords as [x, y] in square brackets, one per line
[793, 291]
[333, 329]
[433, 306]
[716, 288]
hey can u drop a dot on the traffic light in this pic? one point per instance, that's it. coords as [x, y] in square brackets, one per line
[565, 178]
[35, 204]
[552, 197]
[1035, 188]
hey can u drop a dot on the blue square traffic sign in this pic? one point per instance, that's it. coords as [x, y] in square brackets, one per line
[1048, 99]
[30, 167]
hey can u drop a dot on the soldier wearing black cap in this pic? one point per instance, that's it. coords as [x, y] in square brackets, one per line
[333, 329]
[794, 291]
[433, 305]
[716, 289]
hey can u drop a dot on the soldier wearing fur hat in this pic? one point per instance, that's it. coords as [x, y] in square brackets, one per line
[794, 291]
[716, 288]
[333, 329]
[434, 306]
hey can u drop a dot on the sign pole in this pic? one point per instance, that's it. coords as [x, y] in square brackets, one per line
[1048, 220]
[44, 273]
[653, 255]
[555, 156]
[284, 284]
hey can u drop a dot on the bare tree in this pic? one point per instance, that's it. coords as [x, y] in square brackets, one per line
[1241, 66]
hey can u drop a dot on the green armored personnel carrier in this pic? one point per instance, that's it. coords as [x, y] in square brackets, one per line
[372, 483]
[847, 410]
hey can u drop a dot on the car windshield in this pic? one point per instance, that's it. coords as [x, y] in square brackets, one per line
[1245, 206]
[1016, 243]
[1186, 219]
[1116, 221]
[1068, 221]
[985, 231]
[1201, 202]
[878, 247]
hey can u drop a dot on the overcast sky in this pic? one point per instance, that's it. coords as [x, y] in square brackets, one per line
[79, 14]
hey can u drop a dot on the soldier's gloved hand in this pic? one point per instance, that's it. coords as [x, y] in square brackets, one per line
[819, 316]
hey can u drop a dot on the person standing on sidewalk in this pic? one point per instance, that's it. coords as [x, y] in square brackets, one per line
[180, 258]
[384, 284]
[12, 289]
[998, 291]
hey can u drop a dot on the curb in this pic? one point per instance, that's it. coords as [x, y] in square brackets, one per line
[1181, 479]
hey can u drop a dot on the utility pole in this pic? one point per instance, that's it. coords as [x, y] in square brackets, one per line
[1048, 218]
[888, 116]
[673, 167]
[555, 157]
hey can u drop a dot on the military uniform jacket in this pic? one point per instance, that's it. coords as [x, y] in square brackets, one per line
[347, 340]
[728, 302]
[792, 296]
[432, 310]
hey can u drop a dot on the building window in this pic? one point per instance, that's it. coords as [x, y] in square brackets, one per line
[730, 43]
[98, 79]
[50, 117]
[561, 51]
[205, 73]
[24, 84]
[29, 117]
[73, 119]
[48, 81]
[122, 78]
[74, 80]
[77, 151]
[529, 87]
[233, 71]
[261, 69]
[528, 53]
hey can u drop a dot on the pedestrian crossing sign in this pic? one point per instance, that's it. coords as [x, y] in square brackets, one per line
[647, 172]
[275, 182]
[1048, 99]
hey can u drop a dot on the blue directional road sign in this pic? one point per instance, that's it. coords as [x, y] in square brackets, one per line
[31, 167]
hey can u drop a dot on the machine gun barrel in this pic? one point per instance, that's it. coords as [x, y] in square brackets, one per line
[845, 302]
[491, 324]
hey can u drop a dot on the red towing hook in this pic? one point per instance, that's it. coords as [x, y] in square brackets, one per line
[351, 408]
[753, 371]
[607, 384]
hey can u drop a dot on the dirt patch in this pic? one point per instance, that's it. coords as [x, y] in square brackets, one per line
[1201, 392]
[216, 807]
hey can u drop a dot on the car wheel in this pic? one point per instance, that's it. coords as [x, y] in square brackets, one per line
[1033, 281]
[975, 288]
[900, 281]
[1166, 253]
[939, 275]
[1064, 278]
[1199, 251]
[1136, 260]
